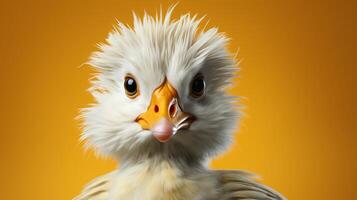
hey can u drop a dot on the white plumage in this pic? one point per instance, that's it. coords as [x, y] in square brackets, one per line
[159, 50]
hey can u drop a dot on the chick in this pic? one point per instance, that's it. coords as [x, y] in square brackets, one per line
[162, 111]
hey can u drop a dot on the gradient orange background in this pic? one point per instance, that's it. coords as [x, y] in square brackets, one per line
[297, 79]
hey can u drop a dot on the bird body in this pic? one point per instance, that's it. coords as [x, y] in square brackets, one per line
[162, 111]
[163, 181]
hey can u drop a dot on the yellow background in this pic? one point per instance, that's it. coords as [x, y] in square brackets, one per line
[297, 79]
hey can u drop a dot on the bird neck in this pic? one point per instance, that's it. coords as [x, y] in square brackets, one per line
[158, 162]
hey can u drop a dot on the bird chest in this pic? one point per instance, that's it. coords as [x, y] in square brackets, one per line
[163, 182]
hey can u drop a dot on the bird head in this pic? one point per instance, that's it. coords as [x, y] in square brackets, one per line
[160, 91]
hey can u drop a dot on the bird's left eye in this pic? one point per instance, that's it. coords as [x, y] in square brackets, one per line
[131, 87]
[198, 86]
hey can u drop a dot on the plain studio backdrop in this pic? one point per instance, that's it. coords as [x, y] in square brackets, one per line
[297, 81]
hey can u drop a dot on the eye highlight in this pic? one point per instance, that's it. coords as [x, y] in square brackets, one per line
[197, 86]
[131, 86]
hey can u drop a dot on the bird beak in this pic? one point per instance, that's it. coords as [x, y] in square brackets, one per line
[164, 117]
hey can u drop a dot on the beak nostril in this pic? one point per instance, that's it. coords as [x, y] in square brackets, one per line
[156, 108]
[172, 110]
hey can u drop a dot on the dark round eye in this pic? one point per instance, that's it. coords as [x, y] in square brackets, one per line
[131, 88]
[198, 86]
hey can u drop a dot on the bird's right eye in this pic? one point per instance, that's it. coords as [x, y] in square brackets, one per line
[131, 87]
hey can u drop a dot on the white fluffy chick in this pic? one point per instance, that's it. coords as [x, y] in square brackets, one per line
[163, 113]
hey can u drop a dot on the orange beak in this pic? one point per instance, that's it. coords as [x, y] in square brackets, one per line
[164, 117]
